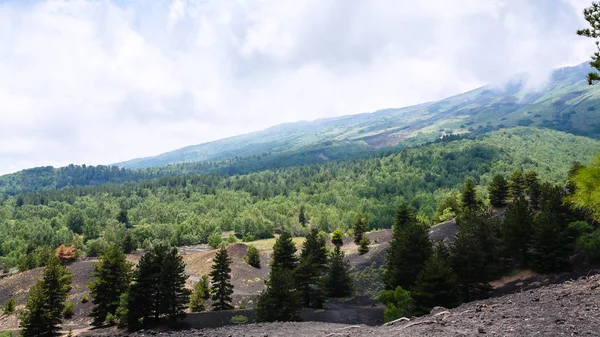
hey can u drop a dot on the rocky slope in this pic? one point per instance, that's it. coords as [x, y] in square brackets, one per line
[568, 309]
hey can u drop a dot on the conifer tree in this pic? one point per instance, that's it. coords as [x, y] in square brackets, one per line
[476, 256]
[498, 191]
[128, 244]
[436, 285]
[197, 301]
[532, 183]
[144, 295]
[360, 227]
[517, 228]
[284, 252]
[175, 296]
[468, 197]
[302, 216]
[337, 238]
[280, 301]
[253, 256]
[311, 269]
[409, 249]
[517, 185]
[123, 218]
[204, 284]
[221, 281]
[44, 309]
[338, 282]
[551, 245]
[111, 279]
[363, 245]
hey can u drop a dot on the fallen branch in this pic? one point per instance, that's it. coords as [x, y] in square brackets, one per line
[416, 323]
[402, 319]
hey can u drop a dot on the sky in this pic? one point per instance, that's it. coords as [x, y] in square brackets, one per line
[104, 81]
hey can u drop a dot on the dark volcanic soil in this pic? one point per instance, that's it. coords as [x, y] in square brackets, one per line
[568, 309]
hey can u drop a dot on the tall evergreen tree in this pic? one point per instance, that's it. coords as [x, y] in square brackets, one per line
[468, 197]
[517, 185]
[311, 269]
[302, 216]
[338, 282]
[409, 249]
[111, 279]
[363, 245]
[498, 191]
[175, 296]
[360, 227]
[128, 244]
[517, 228]
[280, 301]
[44, 309]
[551, 245]
[284, 252]
[436, 285]
[475, 255]
[143, 297]
[532, 182]
[221, 281]
[404, 217]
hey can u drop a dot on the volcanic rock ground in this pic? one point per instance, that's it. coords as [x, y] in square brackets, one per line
[571, 308]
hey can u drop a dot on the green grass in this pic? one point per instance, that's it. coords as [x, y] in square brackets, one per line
[239, 319]
[318, 311]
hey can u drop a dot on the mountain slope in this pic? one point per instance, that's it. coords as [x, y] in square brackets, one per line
[566, 103]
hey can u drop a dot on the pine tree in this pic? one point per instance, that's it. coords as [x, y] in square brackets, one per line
[221, 281]
[533, 188]
[517, 228]
[409, 249]
[498, 191]
[204, 284]
[360, 227]
[475, 255]
[436, 285]
[302, 216]
[517, 185]
[284, 252]
[338, 282]
[363, 245]
[143, 297]
[311, 268]
[404, 217]
[44, 309]
[128, 244]
[337, 238]
[172, 282]
[111, 279]
[253, 256]
[123, 218]
[197, 299]
[280, 301]
[468, 198]
[550, 243]
[9, 306]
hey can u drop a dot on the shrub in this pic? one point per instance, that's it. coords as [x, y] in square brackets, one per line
[253, 257]
[214, 240]
[84, 299]
[589, 245]
[239, 319]
[9, 306]
[69, 310]
[399, 303]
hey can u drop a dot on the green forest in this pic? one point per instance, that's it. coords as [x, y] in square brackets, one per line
[187, 209]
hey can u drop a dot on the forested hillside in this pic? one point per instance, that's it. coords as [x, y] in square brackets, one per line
[565, 103]
[187, 209]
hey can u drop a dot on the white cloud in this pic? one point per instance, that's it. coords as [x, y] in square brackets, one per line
[104, 81]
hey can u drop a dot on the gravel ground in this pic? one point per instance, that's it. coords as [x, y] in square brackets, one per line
[568, 309]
